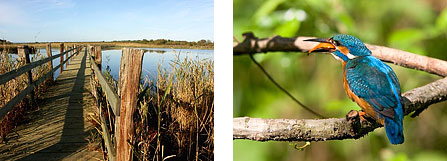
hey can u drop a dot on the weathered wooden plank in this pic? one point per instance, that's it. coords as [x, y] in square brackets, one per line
[17, 72]
[133, 59]
[62, 147]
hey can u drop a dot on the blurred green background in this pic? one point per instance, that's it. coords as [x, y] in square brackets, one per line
[418, 26]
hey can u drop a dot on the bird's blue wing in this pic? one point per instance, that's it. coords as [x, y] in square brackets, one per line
[375, 82]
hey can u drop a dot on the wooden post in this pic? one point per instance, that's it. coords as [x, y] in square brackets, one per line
[62, 57]
[79, 49]
[30, 74]
[74, 51]
[66, 55]
[98, 56]
[50, 63]
[130, 71]
[91, 50]
[21, 52]
[71, 53]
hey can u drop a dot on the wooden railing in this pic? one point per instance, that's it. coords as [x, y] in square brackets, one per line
[31, 84]
[130, 71]
[111, 96]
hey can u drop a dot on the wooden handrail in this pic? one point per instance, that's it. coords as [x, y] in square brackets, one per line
[114, 102]
[14, 101]
[17, 72]
[112, 97]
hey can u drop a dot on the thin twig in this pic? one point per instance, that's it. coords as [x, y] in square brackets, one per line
[284, 90]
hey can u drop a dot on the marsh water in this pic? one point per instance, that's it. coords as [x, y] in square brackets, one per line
[151, 60]
[154, 57]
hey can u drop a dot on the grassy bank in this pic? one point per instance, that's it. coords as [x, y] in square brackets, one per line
[174, 116]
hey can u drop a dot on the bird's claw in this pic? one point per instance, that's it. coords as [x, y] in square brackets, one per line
[362, 115]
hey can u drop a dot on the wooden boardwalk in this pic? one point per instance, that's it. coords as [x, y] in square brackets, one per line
[58, 130]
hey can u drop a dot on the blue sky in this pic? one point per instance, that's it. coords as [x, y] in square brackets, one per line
[96, 20]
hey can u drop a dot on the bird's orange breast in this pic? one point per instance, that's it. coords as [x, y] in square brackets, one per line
[367, 108]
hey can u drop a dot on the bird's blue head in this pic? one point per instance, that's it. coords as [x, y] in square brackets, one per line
[342, 47]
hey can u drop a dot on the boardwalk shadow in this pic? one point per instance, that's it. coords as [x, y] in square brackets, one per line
[72, 138]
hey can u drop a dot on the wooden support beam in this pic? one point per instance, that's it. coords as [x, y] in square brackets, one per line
[30, 74]
[62, 57]
[130, 72]
[50, 63]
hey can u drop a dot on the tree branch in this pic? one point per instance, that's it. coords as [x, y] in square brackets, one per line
[351, 127]
[252, 44]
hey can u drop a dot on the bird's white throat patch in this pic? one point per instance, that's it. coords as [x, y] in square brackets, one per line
[350, 56]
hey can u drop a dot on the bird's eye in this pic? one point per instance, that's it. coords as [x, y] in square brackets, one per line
[337, 43]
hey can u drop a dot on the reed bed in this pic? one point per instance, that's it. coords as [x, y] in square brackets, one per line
[174, 117]
[13, 87]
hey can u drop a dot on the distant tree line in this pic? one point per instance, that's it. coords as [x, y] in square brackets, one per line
[172, 42]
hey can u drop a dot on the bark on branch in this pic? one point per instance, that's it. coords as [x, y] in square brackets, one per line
[351, 127]
[252, 44]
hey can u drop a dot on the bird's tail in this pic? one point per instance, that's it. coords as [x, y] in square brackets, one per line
[394, 130]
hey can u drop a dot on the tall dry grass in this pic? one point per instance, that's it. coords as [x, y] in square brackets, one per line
[174, 116]
[13, 87]
[176, 119]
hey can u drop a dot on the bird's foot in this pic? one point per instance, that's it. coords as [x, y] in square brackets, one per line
[362, 115]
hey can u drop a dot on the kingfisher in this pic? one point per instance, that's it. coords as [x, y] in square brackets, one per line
[369, 82]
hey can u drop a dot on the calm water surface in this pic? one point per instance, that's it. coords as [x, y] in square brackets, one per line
[152, 59]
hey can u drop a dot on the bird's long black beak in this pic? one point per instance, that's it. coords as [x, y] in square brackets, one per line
[324, 46]
[318, 40]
